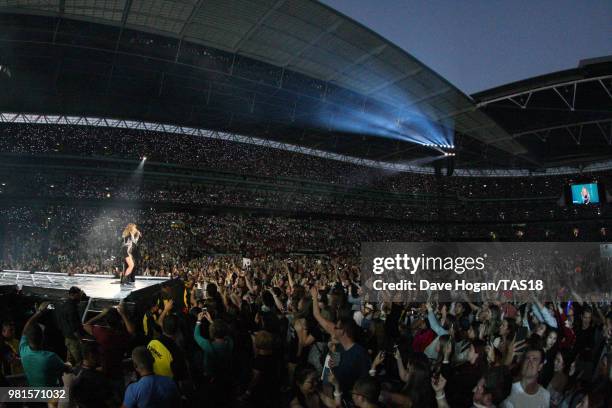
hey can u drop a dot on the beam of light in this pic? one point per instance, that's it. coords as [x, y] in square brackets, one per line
[140, 168]
[113, 220]
[412, 127]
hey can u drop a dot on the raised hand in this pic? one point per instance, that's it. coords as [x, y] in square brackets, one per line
[380, 357]
[515, 347]
[397, 354]
[438, 384]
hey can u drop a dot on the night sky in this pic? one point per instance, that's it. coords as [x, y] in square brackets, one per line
[480, 44]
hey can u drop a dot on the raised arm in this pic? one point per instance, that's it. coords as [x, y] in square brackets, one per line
[403, 373]
[88, 326]
[335, 402]
[277, 302]
[472, 306]
[316, 311]
[167, 307]
[542, 313]
[433, 322]
[248, 282]
[223, 294]
[32, 320]
[289, 277]
[203, 342]
[130, 327]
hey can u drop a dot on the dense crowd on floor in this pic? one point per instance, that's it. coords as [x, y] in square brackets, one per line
[266, 310]
[87, 240]
[299, 332]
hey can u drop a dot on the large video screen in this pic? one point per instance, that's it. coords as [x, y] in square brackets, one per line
[585, 193]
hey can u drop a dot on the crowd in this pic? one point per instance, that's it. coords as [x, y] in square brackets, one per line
[82, 240]
[38, 185]
[247, 159]
[300, 333]
[268, 310]
[87, 240]
[51, 183]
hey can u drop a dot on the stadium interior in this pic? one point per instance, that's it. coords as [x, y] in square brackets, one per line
[257, 145]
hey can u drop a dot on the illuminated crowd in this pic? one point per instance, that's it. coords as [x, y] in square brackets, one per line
[297, 331]
[263, 303]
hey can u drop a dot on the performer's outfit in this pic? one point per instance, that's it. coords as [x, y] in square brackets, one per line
[130, 248]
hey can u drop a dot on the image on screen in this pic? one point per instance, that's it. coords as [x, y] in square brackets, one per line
[585, 194]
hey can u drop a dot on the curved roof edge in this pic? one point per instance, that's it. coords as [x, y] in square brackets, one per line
[304, 36]
[588, 68]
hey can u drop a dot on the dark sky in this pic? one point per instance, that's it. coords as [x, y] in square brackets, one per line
[480, 44]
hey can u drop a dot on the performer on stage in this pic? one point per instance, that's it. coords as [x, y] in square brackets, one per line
[131, 235]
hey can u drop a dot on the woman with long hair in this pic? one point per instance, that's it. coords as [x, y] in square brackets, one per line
[131, 235]
[416, 376]
[308, 392]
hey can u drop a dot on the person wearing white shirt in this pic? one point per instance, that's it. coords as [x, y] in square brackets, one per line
[527, 393]
[363, 317]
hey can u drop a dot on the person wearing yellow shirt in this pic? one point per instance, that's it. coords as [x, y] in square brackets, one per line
[169, 358]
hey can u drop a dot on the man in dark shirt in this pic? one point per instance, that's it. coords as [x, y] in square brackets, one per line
[87, 386]
[354, 360]
[69, 322]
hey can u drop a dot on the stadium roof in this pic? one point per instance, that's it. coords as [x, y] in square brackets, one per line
[294, 71]
[563, 118]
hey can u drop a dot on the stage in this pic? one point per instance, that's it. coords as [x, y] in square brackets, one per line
[102, 290]
[95, 286]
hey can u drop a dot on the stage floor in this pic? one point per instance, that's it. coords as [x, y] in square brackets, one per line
[95, 286]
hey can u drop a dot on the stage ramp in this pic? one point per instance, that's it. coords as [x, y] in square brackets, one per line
[102, 290]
